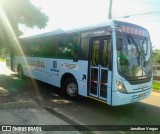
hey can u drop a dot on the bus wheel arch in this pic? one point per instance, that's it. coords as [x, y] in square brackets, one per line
[69, 85]
[20, 71]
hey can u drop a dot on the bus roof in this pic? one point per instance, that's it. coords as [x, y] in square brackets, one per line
[81, 29]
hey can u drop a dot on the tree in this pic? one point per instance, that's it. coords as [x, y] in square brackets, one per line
[156, 56]
[15, 12]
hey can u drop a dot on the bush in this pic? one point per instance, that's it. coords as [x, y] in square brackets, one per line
[2, 60]
[156, 85]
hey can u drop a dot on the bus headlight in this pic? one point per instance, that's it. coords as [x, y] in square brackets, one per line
[121, 87]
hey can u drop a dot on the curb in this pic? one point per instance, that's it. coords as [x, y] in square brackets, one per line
[61, 115]
[64, 117]
[158, 91]
[69, 120]
[21, 104]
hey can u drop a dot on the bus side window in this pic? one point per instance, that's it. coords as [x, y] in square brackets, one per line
[26, 48]
[29, 48]
[68, 46]
[53, 45]
[35, 48]
[47, 47]
[60, 47]
[43, 46]
[84, 49]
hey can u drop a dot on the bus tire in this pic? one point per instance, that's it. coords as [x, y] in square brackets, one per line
[20, 72]
[71, 88]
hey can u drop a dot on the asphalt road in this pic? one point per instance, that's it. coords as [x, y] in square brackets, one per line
[90, 112]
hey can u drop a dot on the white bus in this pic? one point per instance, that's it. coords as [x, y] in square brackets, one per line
[110, 62]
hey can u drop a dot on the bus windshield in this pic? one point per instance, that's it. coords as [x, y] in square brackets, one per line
[134, 56]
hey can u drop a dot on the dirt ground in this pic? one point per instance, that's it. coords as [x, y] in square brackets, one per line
[14, 89]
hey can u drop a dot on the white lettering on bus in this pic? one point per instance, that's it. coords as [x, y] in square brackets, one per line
[36, 63]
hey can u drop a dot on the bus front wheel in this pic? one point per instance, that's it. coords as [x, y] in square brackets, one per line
[20, 72]
[71, 88]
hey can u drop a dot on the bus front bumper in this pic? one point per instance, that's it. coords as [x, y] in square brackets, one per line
[121, 98]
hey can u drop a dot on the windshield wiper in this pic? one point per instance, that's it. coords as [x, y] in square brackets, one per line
[145, 39]
[135, 44]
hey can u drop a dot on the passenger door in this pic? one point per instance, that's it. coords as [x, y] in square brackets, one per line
[100, 52]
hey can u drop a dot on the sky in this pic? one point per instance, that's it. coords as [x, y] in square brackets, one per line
[68, 14]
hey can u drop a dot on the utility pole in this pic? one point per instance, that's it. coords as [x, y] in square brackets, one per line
[110, 10]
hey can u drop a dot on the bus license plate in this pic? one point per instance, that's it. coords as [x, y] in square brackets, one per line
[142, 94]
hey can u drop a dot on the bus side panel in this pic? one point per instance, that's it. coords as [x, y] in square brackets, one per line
[78, 70]
[28, 68]
[52, 67]
[82, 78]
[51, 70]
[39, 68]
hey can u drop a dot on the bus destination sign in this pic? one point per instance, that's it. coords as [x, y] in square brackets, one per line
[133, 30]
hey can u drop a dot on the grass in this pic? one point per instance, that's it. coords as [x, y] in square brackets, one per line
[1, 60]
[156, 85]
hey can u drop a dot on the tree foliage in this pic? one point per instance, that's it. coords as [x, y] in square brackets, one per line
[156, 56]
[18, 12]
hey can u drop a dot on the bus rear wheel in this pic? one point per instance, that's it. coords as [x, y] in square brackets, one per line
[20, 72]
[71, 88]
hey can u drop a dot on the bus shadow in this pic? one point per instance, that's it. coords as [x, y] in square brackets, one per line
[10, 83]
[9, 87]
[138, 113]
[82, 108]
[27, 88]
[14, 89]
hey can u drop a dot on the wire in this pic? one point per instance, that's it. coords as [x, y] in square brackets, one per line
[149, 2]
[144, 13]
